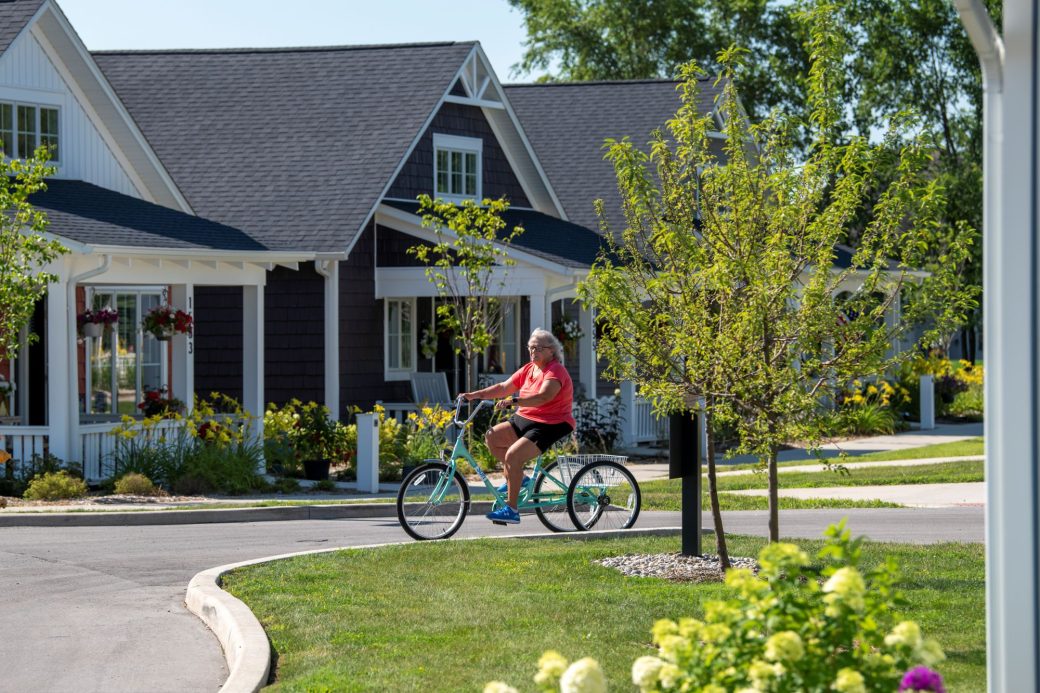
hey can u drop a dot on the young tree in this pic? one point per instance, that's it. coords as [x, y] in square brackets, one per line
[723, 284]
[468, 264]
[24, 249]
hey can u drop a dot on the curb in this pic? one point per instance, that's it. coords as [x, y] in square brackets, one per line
[281, 513]
[244, 641]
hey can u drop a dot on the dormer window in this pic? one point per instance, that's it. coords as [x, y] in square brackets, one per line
[24, 127]
[456, 167]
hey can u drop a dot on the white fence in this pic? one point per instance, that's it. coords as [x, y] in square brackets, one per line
[23, 443]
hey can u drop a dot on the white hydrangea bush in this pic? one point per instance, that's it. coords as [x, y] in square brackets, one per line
[794, 626]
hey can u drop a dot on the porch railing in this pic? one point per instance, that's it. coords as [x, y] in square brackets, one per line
[23, 442]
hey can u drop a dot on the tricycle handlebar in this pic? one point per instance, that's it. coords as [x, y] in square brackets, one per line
[458, 410]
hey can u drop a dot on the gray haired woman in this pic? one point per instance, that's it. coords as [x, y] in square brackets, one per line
[543, 395]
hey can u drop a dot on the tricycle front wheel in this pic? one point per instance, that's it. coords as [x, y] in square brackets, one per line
[432, 502]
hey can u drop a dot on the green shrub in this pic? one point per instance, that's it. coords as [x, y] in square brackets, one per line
[866, 419]
[135, 484]
[55, 486]
[324, 485]
[967, 404]
[795, 626]
[286, 485]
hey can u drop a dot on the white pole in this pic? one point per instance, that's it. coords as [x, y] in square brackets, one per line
[1010, 227]
[253, 359]
[330, 271]
[368, 453]
[927, 402]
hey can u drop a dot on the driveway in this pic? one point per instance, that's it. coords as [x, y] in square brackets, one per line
[101, 608]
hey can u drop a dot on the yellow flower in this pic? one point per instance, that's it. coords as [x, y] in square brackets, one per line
[584, 676]
[499, 687]
[4, 456]
[872, 390]
[849, 681]
[551, 666]
[645, 671]
[846, 587]
[785, 646]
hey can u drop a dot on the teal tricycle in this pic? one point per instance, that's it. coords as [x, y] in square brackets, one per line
[569, 493]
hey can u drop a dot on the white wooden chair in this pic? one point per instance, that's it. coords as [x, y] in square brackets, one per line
[431, 388]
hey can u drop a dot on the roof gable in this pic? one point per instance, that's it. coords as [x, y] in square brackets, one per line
[568, 122]
[294, 145]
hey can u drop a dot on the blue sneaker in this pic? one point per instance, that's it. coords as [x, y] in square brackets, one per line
[504, 488]
[504, 515]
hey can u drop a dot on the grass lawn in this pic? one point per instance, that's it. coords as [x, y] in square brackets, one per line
[940, 473]
[666, 494]
[450, 616]
[960, 448]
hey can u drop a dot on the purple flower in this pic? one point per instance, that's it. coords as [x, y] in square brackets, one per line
[922, 679]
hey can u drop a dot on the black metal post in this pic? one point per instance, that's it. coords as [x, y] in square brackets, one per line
[684, 463]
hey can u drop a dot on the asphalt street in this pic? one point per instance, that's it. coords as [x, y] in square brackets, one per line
[101, 608]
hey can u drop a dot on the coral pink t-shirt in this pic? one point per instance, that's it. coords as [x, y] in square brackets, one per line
[557, 410]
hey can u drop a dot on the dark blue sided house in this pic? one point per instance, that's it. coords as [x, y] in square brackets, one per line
[272, 195]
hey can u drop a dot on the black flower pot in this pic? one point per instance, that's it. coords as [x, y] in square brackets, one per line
[316, 470]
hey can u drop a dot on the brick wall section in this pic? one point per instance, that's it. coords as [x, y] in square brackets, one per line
[416, 177]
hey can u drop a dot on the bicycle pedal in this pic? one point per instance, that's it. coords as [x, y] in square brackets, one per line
[495, 522]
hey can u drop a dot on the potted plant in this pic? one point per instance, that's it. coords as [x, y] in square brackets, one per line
[568, 332]
[92, 323]
[164, 321]
[156, 403]
[317, 439]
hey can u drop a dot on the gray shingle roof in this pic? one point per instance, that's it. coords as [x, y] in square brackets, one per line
[544, 236]
[567, 123]
[292, 145]
[97, 216]
[14, 15]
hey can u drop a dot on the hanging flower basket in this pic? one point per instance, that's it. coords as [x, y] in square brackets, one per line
[93, 323]
[162, 322]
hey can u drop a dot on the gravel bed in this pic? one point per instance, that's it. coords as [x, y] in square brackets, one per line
[675, 566]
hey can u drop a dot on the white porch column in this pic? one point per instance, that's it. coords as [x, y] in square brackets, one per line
[536, 313]
[62, 381]
[253, 356]
[330, 271]
[182, 384]
[587, 351]
[628, 413]
[1011, 124]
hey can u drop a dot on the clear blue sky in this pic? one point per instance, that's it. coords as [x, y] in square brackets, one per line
[109, 24]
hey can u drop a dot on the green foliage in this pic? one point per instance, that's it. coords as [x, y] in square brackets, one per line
[793, 626]
[135, 484]
[599, 427]
[15, 475]
[867, 419]
[324, 486]
[722, 284]
[467, 264]
[58, 485]
[295, 432]
[212, 449]
[24, 249]
[286, 485]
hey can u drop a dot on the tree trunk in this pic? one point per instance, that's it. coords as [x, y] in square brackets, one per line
[774, 496]
[713, 494]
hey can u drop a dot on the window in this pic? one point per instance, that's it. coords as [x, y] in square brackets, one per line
[400, 338]
[503, 356]
[24, 127]
[456, 168]
[124, 362]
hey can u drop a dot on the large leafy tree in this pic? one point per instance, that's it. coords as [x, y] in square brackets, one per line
[24, 248]
[901, 55]
[723, 284]
[468, 264]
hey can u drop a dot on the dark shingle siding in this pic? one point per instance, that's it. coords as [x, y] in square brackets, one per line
[416, 177]
[567, 124]
[294, 146]
[13, 18]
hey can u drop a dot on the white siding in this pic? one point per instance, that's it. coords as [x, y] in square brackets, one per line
[26, 74]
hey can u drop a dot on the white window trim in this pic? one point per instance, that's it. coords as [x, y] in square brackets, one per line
[397, 373]
[37, 105]
[457, 143]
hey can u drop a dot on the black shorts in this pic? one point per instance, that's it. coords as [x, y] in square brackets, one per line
[541, 434]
